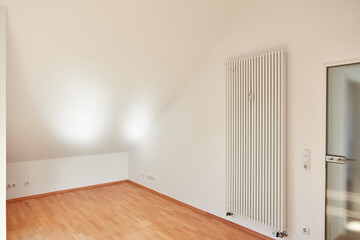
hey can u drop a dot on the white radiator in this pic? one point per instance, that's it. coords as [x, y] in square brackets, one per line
[255, 142]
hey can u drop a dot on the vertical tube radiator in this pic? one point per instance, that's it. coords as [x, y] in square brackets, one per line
[255, 139]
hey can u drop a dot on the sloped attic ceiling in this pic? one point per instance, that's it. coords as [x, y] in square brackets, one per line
[88, 77]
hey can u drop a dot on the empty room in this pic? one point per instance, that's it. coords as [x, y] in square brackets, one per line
[179, 120]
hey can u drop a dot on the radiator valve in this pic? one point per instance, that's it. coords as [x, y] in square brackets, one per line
[281, 234]
[229, 213]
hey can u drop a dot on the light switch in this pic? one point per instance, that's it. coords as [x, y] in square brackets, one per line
[306, 152]
[306, 158]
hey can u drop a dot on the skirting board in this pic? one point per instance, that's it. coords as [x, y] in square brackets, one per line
[155, 192]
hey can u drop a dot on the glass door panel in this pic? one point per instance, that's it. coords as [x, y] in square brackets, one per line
[343, 153]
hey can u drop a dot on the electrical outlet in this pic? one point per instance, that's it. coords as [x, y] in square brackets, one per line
[10, 185]
[306, 166]
[150, 177]
[27, 183]
[305, 230]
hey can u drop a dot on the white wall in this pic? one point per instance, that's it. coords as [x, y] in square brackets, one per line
[90, 77]
[185, 148]
[2, 122]
[65, 173]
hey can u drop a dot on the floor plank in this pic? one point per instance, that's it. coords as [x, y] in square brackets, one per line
[121, 211]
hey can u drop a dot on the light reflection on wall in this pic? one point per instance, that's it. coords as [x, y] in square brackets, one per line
[136, 123]
[83, 106]
[77, 109]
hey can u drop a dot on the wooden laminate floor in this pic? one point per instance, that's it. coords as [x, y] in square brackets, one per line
[120, 211]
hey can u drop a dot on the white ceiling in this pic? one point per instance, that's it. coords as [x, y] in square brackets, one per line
[88, 77]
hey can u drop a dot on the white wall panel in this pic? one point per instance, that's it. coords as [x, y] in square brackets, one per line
[65, 173]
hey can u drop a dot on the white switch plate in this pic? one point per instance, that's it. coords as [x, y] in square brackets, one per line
[306, 158]
[306, 152]
[306, 155]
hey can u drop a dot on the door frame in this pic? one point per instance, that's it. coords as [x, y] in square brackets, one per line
[325, 71]
[2, 122]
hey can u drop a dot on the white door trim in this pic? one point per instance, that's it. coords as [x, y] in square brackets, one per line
[2, 122]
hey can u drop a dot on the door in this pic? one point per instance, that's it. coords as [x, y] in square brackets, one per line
[343, 153]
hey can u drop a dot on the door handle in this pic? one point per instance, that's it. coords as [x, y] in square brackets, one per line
[338, 159]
